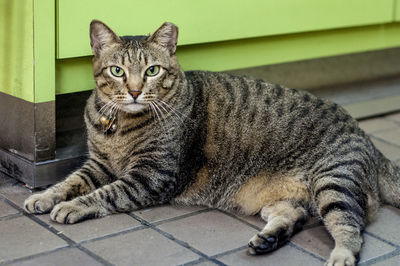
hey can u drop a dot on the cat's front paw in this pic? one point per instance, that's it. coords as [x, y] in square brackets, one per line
[341, 256]
[70, 212]
[40, 203]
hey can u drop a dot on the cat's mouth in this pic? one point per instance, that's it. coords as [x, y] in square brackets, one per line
[134, 106]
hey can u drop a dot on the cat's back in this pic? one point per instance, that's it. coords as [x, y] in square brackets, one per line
[256, 119]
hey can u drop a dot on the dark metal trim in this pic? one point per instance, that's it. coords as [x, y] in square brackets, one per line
[38, 174]
[17, 126]
[27, 129]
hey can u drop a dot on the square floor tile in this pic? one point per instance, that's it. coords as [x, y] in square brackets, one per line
[93, 228]
[392, 136]
[393, 261]
[6, 209]
[394, 117]
[387, 224]
[389, 150]
[63, 257]
[253, 220]
[286, 255]
[143, 247]
[376, 125]
[160, 213]
[210, 232]
[203, 262]
[22, 237]
[13, 190]
[318, 241]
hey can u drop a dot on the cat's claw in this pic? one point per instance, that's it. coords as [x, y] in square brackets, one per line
[39, 204]
[70, 212]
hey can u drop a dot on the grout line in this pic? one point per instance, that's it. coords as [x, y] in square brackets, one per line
[229, 252]
[291, 244]
[177, 241]
[123, 232]
[381, 258]
[193, 262]
[240, 219]
[181, 217]
[10, 216]
[381, 239]
[392, 120]
[385, 141]
[33, 256]
[59, 234]
[94, 255]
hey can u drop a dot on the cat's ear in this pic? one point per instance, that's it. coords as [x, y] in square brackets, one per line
[101, 36]
[166, 36]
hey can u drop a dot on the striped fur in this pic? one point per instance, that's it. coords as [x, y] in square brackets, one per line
[212, 139]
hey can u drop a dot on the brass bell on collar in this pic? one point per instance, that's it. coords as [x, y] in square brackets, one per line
[108, 123]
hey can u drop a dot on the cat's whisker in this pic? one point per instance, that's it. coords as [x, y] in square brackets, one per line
[175, 112]
[156, 113]
[106, 108]
[165, 124]
[172, 115]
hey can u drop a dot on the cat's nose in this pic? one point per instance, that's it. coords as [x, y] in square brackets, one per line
[135, 94]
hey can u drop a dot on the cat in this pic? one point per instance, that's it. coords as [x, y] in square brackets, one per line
[159, 135]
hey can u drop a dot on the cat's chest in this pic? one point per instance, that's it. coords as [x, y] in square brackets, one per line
[117, 149]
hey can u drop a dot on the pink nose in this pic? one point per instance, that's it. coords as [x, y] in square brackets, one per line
[135, 94]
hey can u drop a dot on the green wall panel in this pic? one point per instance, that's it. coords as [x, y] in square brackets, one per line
[210, 20]
[16, 50]
[44, 50]
[396, 10]
[76, 74]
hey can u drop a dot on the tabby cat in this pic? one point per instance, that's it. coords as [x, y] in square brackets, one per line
[159, 135]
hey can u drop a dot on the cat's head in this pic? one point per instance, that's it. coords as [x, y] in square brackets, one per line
[134, 72]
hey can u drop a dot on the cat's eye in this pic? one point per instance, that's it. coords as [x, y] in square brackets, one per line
[152, 71]
[117, 71]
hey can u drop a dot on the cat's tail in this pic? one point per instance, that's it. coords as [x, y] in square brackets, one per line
[389, 182]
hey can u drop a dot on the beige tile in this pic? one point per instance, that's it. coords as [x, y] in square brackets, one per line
[387, 224]
[393, 261]
[206, 263]
[63, 257]
[143, 247]
[156, 214]
[14, 190]
[6, 209]
[390, 151]
[286, 255]
[376, 125]
[210, 232]
[93, 228]
[315, 240]
[254, 220]
[392, 136]
[394, 117]
[318, 241]
[22, 237]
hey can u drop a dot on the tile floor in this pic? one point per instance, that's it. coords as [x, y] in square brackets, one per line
[168, 235]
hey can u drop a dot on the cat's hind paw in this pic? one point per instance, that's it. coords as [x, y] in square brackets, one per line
[264, 243]
[39, 203]
[70, 212]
